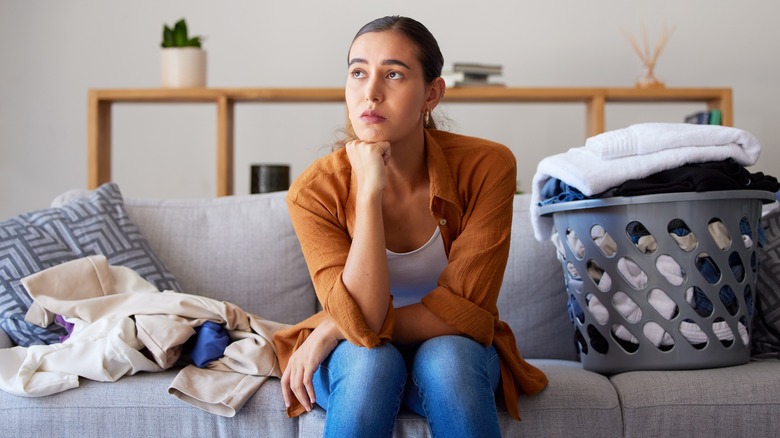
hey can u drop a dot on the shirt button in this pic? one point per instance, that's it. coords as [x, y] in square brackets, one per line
[443, 222]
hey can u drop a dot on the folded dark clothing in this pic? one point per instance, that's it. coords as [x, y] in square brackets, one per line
[700, 177]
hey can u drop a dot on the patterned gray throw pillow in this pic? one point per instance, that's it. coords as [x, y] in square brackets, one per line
[766, 321]
[34, 241]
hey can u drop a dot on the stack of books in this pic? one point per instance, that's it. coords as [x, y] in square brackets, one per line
[473, 75]
[711, 117]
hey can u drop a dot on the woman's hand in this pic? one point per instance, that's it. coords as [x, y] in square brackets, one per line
[368, 161]
[297, 377]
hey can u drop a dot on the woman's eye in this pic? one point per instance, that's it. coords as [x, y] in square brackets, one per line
[357, 74]
[395, 75]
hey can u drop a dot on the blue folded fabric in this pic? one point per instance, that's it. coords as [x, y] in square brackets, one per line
[555, 191]
[211, 340]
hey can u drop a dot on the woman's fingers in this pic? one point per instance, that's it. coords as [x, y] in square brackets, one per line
[361, 150]
[286, 392]
[368, 160]
[299, 388]
[297, 381]
[298, 377]
[308, 375]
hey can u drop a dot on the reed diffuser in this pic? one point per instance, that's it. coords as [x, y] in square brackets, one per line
[649, 59]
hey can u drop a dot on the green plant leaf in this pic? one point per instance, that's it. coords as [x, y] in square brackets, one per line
[167, 40]
[180, 33]
[178, 37]
[181, 26]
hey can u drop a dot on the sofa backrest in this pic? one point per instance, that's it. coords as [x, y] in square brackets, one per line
[5, 340]
[243, 249]
[240, 249]
[533, 295]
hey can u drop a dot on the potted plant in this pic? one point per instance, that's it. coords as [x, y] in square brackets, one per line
[183, 59]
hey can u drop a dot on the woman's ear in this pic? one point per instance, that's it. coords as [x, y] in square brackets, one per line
[435, 93]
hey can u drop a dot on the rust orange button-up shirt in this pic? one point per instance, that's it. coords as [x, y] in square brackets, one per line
[472, 185]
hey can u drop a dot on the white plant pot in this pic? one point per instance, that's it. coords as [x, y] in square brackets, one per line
[183, 67]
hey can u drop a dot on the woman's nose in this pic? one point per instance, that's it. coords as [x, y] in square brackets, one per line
[374, 91]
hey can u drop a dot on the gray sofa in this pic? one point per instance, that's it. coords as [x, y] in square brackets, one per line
[243, 249]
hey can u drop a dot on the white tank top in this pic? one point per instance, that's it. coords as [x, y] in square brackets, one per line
[413, 274]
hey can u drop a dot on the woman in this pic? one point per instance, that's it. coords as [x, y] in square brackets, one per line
[406, 233]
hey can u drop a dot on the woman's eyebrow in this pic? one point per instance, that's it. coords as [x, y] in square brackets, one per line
[385, 62]
[396, 62]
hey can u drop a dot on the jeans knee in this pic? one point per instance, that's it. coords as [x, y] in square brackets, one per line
[385, 362]
[363, 390]
[450, 362]
[450, 354]
[456, 378]
[371, 369]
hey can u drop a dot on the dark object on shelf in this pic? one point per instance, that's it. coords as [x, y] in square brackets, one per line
[267, 178]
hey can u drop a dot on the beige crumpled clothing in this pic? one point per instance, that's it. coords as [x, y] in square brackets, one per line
[123, 325]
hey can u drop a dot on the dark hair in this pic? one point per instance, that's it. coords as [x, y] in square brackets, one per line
[429, 55]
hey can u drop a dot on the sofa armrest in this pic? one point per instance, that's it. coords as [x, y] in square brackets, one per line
[5, 341]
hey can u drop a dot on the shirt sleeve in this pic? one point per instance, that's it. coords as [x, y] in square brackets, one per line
[467, 293]
[319, 220]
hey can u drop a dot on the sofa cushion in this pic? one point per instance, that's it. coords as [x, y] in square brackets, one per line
[576, 402]
[734, 401]
[766, 321]
[140, 405]
[533, 296]
[407, 424]
[31, 242]
[240, 249]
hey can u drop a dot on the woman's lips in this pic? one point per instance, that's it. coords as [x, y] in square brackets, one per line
[371, 116]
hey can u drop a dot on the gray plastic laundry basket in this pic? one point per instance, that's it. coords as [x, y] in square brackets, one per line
[660, 282]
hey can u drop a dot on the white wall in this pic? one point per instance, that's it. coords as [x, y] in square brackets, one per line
[52, 52]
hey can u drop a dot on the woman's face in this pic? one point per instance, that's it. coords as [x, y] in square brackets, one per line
[385, 89]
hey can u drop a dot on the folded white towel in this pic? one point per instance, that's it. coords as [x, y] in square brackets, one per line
[581, 168]
[647, 138]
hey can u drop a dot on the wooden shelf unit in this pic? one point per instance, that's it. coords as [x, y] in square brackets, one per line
[595, 100]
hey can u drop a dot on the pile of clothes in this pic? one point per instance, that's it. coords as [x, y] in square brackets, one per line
[645, 159]
[119, 324]
[648, 158]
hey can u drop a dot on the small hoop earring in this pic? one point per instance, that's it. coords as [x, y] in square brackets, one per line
[426, 118]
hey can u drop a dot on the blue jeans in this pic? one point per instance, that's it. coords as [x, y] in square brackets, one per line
[453, 383]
